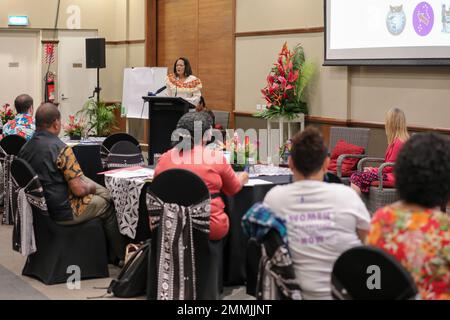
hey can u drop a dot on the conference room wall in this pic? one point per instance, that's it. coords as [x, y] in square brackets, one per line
[119, 21]
[98, 14]
[257, 15]
[255, 56]
[202, 31]
[357, 93]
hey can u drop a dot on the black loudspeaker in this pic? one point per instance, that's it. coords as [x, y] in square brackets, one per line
[95, 53]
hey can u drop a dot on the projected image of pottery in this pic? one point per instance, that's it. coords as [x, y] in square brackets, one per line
[396, 20]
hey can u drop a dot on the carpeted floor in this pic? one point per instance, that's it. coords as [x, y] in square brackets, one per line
[14, 288]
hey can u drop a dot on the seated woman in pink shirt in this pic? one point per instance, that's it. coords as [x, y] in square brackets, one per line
[397, 134]
[210, 165]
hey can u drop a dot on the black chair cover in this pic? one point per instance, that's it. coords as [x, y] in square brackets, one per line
[185, 188]
[12, 144]
[124, 154]
[352, 270]
[59, 247]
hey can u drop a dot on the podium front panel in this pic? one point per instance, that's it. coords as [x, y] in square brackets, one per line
[163, 118]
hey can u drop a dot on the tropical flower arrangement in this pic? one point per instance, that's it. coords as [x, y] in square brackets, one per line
[6, 113]
[286, 83]
[240, 153]
[74, 128]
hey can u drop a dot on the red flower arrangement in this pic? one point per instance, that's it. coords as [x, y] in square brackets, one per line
[6, 113]
[285, 85]
[74, 128]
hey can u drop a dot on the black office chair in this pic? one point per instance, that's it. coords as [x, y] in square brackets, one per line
[124, 154]
[369, 273]
[185, 188]
[59, 247]
[12, 144]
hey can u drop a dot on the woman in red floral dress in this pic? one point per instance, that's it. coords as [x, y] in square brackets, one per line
[414, 230]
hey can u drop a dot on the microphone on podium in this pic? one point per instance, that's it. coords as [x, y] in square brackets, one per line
[151, 94]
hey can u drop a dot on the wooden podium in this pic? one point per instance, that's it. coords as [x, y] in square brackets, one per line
[164, 113]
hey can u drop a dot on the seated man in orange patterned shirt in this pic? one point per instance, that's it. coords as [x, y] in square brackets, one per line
[71, 197]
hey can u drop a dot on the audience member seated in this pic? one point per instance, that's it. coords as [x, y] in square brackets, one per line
[210, 165]
[23, 124]
[71, 197]
[201, 107]
[413, 230]
[397, 134]
[322, 219]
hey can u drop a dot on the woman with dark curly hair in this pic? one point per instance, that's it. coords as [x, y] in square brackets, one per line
[414, 230]
[192, 154]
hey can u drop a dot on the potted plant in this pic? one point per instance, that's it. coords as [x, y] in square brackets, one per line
[74, 128]
[99, 116]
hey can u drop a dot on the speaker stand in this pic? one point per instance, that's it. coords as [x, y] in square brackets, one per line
[97, 88]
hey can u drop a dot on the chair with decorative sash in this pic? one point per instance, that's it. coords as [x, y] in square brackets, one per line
[124, 154]
[113, 139]
[9, 148]
[57, 248]
[276, 279]
[184, 264]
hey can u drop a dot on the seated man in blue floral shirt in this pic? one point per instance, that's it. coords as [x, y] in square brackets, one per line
[23, 124]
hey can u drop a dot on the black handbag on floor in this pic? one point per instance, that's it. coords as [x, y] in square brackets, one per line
[132, 279]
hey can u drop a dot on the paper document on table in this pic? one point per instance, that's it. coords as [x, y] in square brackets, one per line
[255, 182]
[123, 174]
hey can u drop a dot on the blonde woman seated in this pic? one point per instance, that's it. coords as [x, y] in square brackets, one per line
[397, 134]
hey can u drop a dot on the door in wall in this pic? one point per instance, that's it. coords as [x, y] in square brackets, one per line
[19, 66]
[76, 83]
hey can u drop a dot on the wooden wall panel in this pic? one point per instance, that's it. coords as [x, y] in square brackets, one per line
[216, 52]
[202, 31]
[177, 32]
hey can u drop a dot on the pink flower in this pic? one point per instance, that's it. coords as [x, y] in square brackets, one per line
[282, 81]
[293, 76]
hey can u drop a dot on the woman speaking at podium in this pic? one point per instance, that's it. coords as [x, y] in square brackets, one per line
[181, 83]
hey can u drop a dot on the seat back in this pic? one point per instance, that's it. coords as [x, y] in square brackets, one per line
[25, 177]
[12, 144]
[22, 172]
[9, 148]
[124, 154]
[356, 136]
[222, 118]
[116, 137]
[370, 273]
[184, 188]
[179, 186]
[110, 141]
